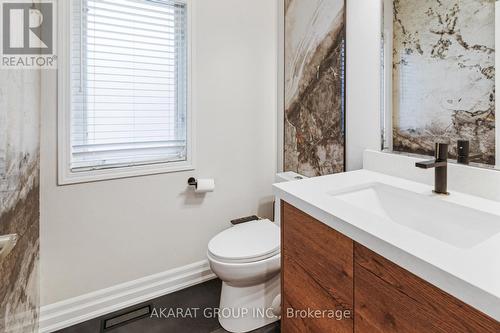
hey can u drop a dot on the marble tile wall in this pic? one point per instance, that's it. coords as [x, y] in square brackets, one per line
[444, 75]
[19, 198]
[314, 86]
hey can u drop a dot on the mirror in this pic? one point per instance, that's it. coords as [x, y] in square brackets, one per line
[438, 70]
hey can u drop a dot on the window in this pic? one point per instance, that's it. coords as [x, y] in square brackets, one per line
[124, 90]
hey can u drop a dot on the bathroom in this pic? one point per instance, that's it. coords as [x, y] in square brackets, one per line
[259, 166]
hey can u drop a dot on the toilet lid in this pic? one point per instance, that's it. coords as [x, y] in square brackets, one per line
[246, 242]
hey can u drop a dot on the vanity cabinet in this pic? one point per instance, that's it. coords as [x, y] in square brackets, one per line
[323, 269]
[317, 275]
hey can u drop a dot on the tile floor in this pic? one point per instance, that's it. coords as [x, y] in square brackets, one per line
[203, 296]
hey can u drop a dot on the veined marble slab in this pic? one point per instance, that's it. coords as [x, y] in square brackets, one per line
[444, 75]
[19, 198]
[314, 86]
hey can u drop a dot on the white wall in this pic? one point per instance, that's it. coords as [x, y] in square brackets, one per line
[363, 41]
[386, 84]
[280, 61]
[96, 235]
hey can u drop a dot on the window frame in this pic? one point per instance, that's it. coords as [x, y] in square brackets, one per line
[65, 175]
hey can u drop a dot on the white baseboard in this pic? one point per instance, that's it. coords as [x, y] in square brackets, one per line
[66, 313]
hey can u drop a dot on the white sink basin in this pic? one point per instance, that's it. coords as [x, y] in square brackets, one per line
[454, 224]
[452, 241]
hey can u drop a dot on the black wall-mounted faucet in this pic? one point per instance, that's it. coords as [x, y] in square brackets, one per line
[440, 165]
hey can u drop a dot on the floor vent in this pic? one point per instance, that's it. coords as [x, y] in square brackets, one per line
[125, 317]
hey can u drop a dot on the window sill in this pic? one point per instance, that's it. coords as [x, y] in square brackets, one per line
[67, 177]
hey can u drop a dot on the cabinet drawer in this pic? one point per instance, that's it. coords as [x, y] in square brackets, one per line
[388, 299]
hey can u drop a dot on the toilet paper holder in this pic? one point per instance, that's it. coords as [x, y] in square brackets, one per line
[202, 185]
[192, 182]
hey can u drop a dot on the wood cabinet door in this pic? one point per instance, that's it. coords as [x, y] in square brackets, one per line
[317, 275]
[390, 299]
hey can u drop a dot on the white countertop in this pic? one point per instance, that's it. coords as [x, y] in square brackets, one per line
[469, 274]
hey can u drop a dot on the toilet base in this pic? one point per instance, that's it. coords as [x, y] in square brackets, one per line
[243, 309]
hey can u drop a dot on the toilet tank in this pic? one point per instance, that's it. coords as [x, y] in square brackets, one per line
[281, 178]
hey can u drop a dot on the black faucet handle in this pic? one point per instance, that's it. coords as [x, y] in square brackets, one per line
[426, 164]
[431, 164]
[463, 151]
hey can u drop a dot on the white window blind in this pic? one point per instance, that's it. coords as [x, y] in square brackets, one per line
[128, 83]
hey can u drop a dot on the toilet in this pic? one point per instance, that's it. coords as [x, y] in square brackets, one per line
[246, 257]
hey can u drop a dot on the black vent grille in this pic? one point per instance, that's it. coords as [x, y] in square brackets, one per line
[126, 317]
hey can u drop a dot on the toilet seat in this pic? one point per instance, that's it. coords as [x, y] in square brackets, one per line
[247, 242]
